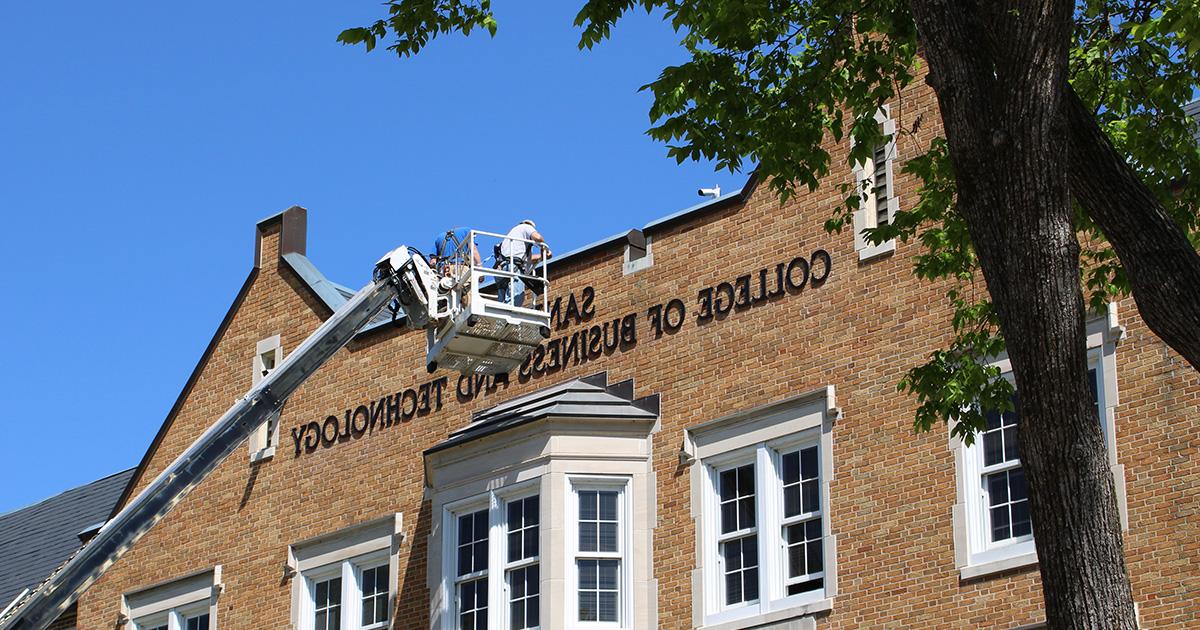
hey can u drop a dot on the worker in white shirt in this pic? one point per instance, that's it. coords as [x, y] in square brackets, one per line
[519, 256]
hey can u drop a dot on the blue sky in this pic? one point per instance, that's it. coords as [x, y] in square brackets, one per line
[141, 141]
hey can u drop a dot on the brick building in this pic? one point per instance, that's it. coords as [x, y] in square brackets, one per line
[711, 438]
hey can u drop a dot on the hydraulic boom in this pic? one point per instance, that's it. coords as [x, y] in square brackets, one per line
[403, 276]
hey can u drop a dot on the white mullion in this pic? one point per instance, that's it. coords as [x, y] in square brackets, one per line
[174, 620]
[350, 602]
[497, 544]
[767, 512]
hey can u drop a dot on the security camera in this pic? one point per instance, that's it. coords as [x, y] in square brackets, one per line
[713, 192]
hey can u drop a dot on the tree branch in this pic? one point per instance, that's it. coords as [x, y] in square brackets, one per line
[1162, 266]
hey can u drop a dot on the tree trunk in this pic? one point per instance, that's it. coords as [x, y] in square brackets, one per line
[997, 68]
[1162, 266]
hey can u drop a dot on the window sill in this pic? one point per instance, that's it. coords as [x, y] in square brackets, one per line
[263, 455]
[876, 251]
[774, 616]
[984, 569]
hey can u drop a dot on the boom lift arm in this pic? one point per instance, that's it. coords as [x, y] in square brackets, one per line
[403, 277]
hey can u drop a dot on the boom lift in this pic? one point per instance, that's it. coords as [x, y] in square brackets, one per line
[468, 330]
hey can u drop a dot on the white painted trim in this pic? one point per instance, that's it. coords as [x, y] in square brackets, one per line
[759, 435]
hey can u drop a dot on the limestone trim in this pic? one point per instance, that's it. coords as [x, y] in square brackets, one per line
[865, 216]
[760, 435]
[546, 456]
[166, 602]
[343, 552]
[268, 354]
[972, 557]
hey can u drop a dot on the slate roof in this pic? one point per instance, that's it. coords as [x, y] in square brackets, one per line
[587, 397]
[35, 540]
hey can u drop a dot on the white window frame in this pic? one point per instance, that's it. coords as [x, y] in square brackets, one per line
[350, 571]
[265, 438]
[621, 485]
[547, 453]
[495, 502]
[172, 602]
[976, 556]
[175, 618]
[345, 554]
[865, 216]
[762, 436]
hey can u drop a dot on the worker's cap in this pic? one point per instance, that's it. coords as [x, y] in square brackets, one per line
[530, 222]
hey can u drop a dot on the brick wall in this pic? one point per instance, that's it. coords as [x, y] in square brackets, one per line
[890, 497]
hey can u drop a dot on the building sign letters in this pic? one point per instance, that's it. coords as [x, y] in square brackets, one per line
[590, 341]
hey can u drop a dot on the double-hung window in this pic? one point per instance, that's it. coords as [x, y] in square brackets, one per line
[598, 541]
[803, 529]
[349, 595]
[993, 524]
[738, 538]
[766, 518]
[471, 579]
[343, 580]
[760, 491]
[522, 570]
[496, 562]
[1002, 480]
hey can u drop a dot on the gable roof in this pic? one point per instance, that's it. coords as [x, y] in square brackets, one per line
[587, 397]
[293, 241]
[36, 539]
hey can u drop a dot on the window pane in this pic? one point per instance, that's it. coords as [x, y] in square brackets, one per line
[589, 536]
[472, 542]
[598, 524]
[199, 622]
[599, 589]
[741, 569]
[804, 548]
[791, 467]
[737, 498]
[588, 505]
[608, 506]
[522, 530]
[472, 604]
[993, 447]
[1008, 505]
[523, 599]
[374, 595]
[998, 488]
[328, 604]
[608, 537]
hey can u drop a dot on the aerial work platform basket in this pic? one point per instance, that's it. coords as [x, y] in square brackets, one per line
[487, 327]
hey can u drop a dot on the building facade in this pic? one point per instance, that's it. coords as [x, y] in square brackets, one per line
[711, 438]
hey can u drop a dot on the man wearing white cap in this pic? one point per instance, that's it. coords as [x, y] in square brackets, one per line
[523, 259]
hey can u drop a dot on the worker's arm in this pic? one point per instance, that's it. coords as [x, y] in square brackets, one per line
[537, 238]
